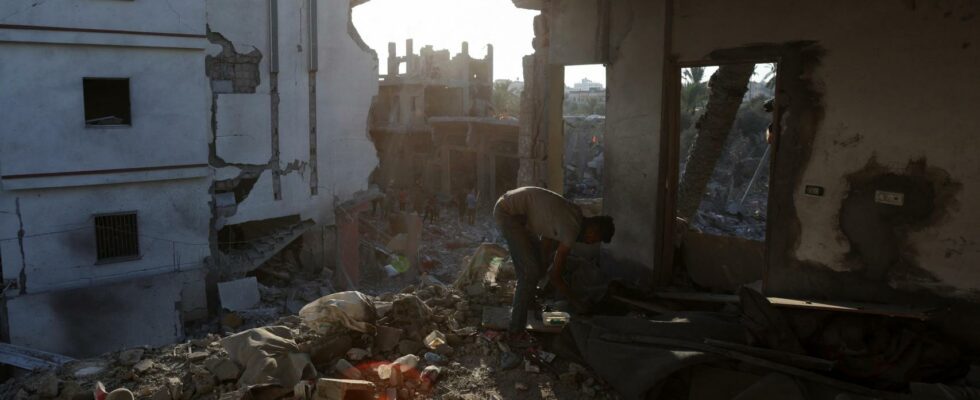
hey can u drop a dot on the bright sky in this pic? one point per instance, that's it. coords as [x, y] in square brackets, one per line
[445, 24]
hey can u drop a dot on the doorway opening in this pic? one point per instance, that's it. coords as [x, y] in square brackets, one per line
[723, 158]
[584, 118]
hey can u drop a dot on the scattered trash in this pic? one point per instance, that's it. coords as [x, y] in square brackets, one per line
[435, 339]
[555, 318]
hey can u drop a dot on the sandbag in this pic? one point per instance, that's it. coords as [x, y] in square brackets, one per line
[352, 310]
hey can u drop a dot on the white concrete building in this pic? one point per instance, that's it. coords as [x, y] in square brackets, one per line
[103, 166]
[118, 182]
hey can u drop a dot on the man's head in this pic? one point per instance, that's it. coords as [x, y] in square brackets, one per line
[596, 229]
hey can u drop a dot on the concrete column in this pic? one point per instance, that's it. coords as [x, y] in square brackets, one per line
[556, 128]
[409, 56]
[489, 60]
[392, 59]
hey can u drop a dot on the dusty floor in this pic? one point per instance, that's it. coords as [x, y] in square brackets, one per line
[199, 367]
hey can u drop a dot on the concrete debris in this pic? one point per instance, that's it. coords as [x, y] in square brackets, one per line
[239, 295]
[357, 354]
[421, 342]
[130, 357]
[340, 389]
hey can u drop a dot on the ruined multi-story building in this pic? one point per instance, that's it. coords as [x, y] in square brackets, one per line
[416, 87]
[151, 147]
[873, 127]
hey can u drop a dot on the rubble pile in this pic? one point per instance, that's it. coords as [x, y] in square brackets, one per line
[393, 346]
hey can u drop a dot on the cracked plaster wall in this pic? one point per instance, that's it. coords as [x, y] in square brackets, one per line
[345, 82]
[891, 86]
[882, 81]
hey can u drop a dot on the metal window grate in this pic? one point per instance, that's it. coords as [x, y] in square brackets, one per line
[116, 236]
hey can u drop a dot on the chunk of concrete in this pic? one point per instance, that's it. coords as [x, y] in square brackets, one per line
[130, 357]
[343, 389]
[239, 295]
[386, 339]
[224, 370]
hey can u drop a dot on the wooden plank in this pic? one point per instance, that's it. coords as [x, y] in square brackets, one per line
[796, 360]
[890, 310]
[30, 359]
[642, 304]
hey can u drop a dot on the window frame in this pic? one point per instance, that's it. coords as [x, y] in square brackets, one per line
[117, 259]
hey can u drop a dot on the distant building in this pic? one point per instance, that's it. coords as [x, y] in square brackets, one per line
[431, 122]
[586, 85]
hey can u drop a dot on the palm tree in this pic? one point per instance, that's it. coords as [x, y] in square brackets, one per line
[694, 92]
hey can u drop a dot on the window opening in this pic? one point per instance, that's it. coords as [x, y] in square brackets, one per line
[116, 236]
[106, 101]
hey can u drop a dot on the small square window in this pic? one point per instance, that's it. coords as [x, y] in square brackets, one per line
[116, 237]
[106, 101]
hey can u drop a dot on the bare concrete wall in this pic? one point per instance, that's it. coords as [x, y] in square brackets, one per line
[90, 321]
[633, 113]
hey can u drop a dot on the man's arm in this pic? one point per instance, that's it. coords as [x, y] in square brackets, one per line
[561, 255]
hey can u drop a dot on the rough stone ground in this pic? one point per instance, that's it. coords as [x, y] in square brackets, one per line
[200, 368]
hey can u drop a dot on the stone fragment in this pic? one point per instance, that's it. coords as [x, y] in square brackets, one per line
[143, 366]
[409, 347]
[340, 389]
[240, 294]
[327, 349]
[386, 338]
[346, 369]
[445, 349]
[130, 357]
[203, 381]
[520, 386]
[197, 356]
[224, 370]
[357, 354]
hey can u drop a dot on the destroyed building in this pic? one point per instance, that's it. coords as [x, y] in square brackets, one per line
[869, 170]
[858, 279]
[153, 147]
[432, 124]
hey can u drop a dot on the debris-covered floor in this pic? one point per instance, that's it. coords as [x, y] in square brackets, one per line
[434, 331]
[266, 351]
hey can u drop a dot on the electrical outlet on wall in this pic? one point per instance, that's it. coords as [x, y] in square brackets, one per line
[890, 198]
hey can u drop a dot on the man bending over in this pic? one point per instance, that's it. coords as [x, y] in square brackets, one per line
[532, 220]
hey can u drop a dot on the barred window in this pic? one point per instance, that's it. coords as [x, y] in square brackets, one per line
[116, 236]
